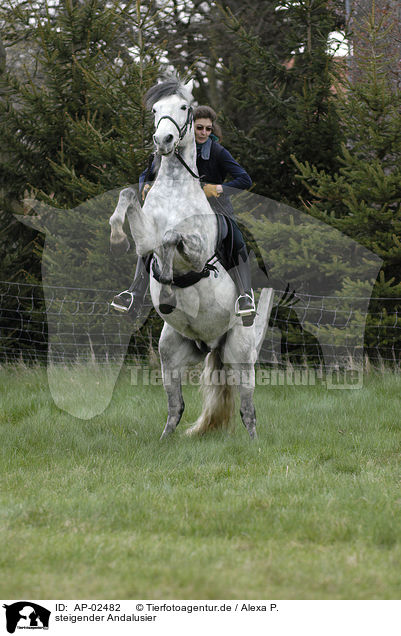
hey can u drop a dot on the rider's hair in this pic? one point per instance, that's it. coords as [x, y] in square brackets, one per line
[206, 112]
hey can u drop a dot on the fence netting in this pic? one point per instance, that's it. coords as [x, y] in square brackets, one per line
[63, 325]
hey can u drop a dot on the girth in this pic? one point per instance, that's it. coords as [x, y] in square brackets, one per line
[185, 280]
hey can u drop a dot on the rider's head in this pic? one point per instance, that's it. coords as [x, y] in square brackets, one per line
[205, 124]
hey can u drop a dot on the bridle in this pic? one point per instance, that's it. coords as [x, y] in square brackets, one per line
[182, 131]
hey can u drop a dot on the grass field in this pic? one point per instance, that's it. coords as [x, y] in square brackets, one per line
[101, 509]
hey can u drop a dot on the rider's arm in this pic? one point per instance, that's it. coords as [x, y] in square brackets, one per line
[240, 179]
[149, 176]
[142, 177]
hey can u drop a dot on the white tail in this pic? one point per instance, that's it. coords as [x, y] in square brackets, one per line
[218, 397]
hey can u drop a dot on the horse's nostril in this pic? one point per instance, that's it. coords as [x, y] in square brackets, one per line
[169, 139]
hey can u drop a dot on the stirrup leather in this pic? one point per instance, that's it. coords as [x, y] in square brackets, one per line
[119, 306]
[245, 312]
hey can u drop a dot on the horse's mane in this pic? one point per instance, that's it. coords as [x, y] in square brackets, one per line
[170, 86]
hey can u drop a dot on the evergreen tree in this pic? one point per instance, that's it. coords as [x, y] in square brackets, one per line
[279, 98]
[73, 126]
[84, 116]
[76, 126]
[2, 57]
[363, 198]
[389, 13]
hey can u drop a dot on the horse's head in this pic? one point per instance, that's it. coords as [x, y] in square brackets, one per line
[170, 102]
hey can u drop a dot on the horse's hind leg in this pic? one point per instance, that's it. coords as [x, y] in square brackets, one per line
[176, 352]
[240, 355]
[247, 409]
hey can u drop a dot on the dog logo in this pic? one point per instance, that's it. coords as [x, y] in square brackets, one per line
[26, 615]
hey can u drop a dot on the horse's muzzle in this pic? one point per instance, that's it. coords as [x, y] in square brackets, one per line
[165, 152]
[164, 146]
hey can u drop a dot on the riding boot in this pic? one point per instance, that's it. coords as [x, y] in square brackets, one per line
[131, 300]
[241, 275]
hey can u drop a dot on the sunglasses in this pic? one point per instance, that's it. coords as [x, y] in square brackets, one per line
[207, 128]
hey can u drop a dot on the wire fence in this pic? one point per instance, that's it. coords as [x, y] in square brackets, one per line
[41, 323]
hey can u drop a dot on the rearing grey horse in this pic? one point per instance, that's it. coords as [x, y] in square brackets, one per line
[178, 226]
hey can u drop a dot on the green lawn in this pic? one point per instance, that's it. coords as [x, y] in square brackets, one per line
[102, 509]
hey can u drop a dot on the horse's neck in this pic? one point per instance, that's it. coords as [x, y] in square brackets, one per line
[184, 206]
[172, 169]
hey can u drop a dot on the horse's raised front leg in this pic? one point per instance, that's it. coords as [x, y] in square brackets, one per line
[240, 355]
[171, 240]
[176, 352]
[119, 243]
[189, 246]
[140, 225]
[167, 299]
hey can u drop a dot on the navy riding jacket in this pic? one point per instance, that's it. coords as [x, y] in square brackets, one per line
[214, 163]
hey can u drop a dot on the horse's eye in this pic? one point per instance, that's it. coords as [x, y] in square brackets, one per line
[183, 107]
[154, 111]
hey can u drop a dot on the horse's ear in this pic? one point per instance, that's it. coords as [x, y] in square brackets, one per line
[189, 86]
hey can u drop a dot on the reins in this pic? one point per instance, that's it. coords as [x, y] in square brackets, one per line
[182, 160]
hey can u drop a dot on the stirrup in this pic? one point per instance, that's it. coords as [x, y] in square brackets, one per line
[125, 305]
[245, 312]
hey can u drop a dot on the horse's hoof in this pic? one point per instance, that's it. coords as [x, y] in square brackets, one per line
[120, 248]
[164, 308]
[165, 435]
[167, 302]
[247, 321]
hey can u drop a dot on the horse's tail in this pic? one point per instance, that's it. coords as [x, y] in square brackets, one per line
[218, 397]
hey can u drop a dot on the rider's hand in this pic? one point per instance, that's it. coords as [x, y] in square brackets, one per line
[145, 190]
[212, 190]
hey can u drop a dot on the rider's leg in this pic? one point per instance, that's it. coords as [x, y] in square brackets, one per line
[140, 286]
[240, 270]
[241, 274]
